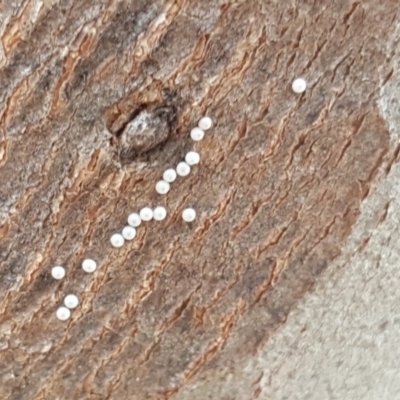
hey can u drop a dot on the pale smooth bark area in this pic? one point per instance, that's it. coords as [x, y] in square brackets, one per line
[97, 99]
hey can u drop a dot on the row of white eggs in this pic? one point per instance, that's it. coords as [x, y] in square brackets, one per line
[146, 214]
[162, 187]
[159, 213]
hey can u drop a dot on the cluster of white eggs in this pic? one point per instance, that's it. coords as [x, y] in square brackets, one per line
[146, 214]
[134, 221]
[192, 158]
[71, 301]
[162, 187]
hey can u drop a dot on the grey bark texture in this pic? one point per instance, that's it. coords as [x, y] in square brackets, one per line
[285, 285]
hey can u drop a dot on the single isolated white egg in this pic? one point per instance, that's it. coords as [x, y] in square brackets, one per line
[192, 158]
[71, 301]
[129, 233]
[89, 265]
[146, 214]
[169, 175]
[117, 240]
[188, 215]
[162, 187]
[197, 134]
[183, 169]
[159, 213]
[205, 123]
[58, 272]
[63, 313]
[299, 85]
[134, 220]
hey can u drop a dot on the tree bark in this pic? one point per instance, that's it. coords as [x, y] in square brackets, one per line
[97, 99]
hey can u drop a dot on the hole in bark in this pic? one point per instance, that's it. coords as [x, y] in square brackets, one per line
[146, 129]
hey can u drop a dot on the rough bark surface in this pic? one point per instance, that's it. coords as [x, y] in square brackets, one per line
[97, 99]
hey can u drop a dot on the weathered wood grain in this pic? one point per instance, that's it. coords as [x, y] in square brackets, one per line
[277, 192]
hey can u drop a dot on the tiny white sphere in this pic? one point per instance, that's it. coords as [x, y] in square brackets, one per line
[192, 158]
[146, 214]
[71, 301]
[188, 214]
[134, 220]
[205, 123]
[58, 272]
[129, 233]
[197, 134]
[183, 169]
[169, 175]
[89, 265]
[159, 213]
[162, 187]
[63, 313]
[117, 240]
[299, 85]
